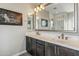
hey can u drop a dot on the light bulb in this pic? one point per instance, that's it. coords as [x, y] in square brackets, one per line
[42, 7]
[35, 10]
[38, 8]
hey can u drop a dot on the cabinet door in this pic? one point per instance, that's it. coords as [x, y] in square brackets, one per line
[28, 44]
[33, 47]
[50, 49]
[62, 51]
[40, 50]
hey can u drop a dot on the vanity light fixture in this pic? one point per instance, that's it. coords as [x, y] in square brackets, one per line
[39, 8]
[42, 7]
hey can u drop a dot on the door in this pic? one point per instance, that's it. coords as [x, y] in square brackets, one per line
[40, 48]
[28, 44]
[33, 47]
[40, 51]
[50, 49]
[63, 51]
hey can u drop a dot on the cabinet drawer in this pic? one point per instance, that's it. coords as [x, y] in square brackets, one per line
[40, 50]
[40, 42]
[28, 44]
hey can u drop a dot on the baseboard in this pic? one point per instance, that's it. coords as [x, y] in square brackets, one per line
[17, 54]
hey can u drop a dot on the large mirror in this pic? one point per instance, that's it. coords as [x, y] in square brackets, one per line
[30, 22]
[42, 20]
[57, 17]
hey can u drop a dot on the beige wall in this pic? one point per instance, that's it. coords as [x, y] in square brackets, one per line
[12, 38]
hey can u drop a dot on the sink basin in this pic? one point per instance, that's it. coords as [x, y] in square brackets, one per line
[69, 42]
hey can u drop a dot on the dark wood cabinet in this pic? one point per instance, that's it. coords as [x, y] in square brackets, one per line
[63, 51]
[41, 48]
[31, 45]
[28, 44]
[56, 50]
[50, 49]
[33, 48]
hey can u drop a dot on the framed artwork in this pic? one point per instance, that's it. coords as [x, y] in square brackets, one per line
[8, 17]
[44, 23]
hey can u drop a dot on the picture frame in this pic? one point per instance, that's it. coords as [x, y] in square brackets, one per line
[44, 23]
[8, 17]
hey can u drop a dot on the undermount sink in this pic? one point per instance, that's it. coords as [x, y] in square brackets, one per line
[69, 42]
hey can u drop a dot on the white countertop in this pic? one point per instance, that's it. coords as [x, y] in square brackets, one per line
[70, 43]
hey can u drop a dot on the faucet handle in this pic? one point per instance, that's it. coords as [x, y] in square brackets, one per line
[37, 33]
[58, 37]
[66, 38]
[62, 36]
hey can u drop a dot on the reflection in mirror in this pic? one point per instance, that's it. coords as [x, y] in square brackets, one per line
[42, 20]
[37, 23]
[60, 16]
[44, 23]
[30, 20]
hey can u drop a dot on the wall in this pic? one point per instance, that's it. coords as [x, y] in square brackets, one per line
[12, 38]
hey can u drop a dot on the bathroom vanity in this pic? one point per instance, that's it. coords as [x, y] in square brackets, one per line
[62, 18]
[38, 45]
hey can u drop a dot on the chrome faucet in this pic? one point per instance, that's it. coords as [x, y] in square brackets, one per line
[62, 36]
[37, 33]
